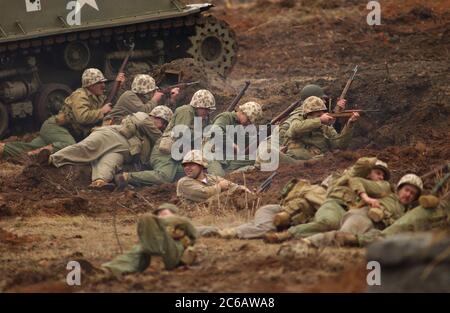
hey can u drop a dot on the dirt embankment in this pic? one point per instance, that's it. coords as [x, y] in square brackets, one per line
[50, 217]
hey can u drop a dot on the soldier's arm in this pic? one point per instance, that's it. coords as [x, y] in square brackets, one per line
[149, 106]
[340, 141]
[300, 127]
[82, 113]
[148, 129]
[376, 189]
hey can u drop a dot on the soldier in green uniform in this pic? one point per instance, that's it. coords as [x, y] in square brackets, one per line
[108, 147]
[81, 111]
[165, 169]
[307, 91]
[340, 197]
[246, 114]
[138, 99]
[312, 135]
[162, 233]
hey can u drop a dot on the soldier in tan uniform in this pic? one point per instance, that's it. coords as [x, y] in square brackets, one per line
[138, 99]
[81, 111]
[246, 114]
[162, 233]
[312, 135]
[198, 186]
[108, 147]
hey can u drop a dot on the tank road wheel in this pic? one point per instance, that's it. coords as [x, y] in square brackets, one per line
[77, 55]
[214, 45]
[49, 100]
[4, 120]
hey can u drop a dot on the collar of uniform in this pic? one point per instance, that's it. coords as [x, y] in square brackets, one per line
[88, 92]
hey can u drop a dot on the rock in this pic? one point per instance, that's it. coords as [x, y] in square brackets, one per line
[412, 263]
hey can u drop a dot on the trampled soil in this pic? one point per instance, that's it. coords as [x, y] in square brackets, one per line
[48, 216]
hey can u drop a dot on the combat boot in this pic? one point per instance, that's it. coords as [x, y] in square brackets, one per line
[277, 237]
[281, 219]
[121, 181]
[100, 184]
[227, 233]
[376, 214]
[429, 201]
[189, 256]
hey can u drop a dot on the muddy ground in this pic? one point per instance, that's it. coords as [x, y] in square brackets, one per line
[48, 217]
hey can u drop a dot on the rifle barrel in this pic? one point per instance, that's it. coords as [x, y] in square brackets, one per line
[238, 97]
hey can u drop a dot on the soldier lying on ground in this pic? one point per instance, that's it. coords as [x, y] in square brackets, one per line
[198, 186]
[108, 147]
[377, 211]
[143, 97]
[165, 168]
[81, 111]
[339, 198]
[162, 233]
[246, 114]
[300, 201]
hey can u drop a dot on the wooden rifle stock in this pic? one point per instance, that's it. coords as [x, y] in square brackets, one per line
[115, 87]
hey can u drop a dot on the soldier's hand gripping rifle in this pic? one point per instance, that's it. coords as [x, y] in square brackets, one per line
[349, 83]
[349, 113]
[238, 98]
[278, 120]
[166, 90]
[116, 85]
[266, 183]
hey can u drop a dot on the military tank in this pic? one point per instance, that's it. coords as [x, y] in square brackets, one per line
[46, 44]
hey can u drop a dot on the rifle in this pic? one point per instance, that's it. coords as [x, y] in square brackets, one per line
[167, 90]
[115, 87]
[280, 117]
[436, 170]
[266, 183]
[349, 83]
[238, 97]
[348, 113]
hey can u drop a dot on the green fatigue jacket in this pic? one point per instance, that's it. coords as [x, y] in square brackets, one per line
[284, 127]
[167, 237]
[301, 200]
[307, 138]
[184, 115]
[339, 188]
[142, 135]
[223, 120]
[191, 190]
[166, 169]
[82, 111]
[416, 219]
[129, 103]
[389, 201]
